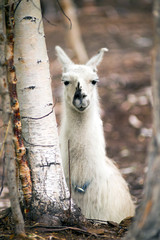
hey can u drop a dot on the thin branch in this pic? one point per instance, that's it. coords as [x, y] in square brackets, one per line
[39, 26]
[97, 220]
[41, 18]
[8, 4]
[49, 22]
[17, 6]
[64, 14]
[3, 176]
[63, 228]
[69, 165]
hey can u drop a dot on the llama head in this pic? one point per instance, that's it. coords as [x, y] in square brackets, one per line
[79, 80]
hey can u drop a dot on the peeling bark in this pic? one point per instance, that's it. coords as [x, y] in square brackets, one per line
[147, 221]
[24, 170]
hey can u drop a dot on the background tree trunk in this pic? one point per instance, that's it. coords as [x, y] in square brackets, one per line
[7, 144]
[73, 35]
[50, 194]
[147, 220]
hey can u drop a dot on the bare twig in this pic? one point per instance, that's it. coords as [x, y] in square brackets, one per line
[69, 166]
[3, 176]
[63, 228]
[64, 14]
[46, 21]
[41, 18]
[74, 37]
[53, 24]
[19, 1]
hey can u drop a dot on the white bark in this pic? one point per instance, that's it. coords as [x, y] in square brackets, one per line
[36, 109]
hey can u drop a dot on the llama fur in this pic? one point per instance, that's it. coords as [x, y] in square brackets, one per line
[98, 187]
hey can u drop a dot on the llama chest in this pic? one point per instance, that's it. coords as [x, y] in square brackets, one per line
[86, 151]
[81, 167]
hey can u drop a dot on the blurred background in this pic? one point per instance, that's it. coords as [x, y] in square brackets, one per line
[125, 27]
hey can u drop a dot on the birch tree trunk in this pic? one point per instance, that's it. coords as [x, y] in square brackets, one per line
[147, 220]
[50, 195]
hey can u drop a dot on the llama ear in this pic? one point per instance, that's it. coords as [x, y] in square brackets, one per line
[95, 60]
[62, 57]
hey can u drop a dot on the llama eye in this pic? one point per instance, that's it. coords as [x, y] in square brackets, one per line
[94, 82]
[66, 83]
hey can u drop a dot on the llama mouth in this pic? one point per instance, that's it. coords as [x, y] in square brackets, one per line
[81, 108]
[79, 105]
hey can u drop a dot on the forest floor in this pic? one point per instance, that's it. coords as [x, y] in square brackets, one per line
[125, 95]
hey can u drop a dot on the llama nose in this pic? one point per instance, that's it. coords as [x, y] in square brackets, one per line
[84, 95]
[80, 100]
[79, 95]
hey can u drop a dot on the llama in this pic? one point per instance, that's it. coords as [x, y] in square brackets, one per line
[98, 187]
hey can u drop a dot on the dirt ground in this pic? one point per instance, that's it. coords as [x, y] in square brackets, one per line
[124, 87]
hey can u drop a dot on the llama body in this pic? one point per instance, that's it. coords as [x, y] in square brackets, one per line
[97, 185]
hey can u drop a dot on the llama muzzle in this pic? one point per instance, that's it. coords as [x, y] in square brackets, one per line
[80, 100]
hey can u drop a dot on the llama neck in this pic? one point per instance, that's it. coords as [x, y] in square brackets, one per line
[86, 126]
[85, 132]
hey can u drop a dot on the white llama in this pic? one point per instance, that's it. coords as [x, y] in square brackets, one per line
[97, 185]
